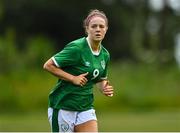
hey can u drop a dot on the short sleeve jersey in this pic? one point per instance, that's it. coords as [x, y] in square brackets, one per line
[77, 58]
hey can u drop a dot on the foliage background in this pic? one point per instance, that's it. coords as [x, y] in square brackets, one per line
[143, 69]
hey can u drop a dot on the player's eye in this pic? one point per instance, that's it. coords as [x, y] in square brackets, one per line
[101, 26]
[93, 26]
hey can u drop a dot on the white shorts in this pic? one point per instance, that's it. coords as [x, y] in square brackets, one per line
[64, 120]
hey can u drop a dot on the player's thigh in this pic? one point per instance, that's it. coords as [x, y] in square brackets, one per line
[86, 121]
[89, 126]
[63, 121]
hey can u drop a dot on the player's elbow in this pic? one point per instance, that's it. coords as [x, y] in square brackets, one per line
[47, 65]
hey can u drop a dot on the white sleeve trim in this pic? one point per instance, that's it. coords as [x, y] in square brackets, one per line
[55, 62]
[104, 78]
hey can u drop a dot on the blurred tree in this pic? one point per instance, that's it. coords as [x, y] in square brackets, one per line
[8, 51]
[136, 31]
[38, 50]
[31, 31]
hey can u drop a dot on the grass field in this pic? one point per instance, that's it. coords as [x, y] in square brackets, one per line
[114, 121]
[138, 89]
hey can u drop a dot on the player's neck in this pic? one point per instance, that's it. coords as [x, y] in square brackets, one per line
[95, 45]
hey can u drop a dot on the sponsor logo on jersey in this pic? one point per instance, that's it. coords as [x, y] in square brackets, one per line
[103, 64]
[87, 63]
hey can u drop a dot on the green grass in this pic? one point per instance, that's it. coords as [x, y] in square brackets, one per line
[24, 122]
[147, 122]
[112, 121]
[137, 88]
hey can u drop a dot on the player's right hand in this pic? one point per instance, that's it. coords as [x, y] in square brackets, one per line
[80, 80]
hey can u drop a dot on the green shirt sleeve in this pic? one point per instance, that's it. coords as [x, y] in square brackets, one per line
[104, 75]
[69, 56]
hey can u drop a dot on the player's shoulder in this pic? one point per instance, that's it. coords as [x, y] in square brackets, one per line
[105, 51]
[78, 43]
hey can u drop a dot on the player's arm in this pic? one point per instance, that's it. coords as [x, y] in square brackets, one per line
[105, 87]
[60, 73]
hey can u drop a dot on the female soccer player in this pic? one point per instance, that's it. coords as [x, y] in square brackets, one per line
[80, 65]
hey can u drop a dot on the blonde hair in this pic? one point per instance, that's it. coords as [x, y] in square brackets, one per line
[93, 13]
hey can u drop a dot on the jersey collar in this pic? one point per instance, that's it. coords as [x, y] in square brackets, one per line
[94, 53]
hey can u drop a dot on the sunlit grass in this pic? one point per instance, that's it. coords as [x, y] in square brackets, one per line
[154, 121]
[146, 98]
[108, 121]
[25, 122]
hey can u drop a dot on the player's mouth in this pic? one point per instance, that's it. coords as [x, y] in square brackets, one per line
[98, 35]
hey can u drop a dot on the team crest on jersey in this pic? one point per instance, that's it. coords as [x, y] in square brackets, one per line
[103, 64]
[64, 127]
[87, 63]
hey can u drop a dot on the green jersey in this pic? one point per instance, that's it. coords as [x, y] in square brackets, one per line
[77, 58]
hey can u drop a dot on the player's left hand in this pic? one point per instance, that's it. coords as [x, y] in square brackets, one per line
[107, 89]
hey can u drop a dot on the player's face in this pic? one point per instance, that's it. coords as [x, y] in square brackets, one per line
[96, 29]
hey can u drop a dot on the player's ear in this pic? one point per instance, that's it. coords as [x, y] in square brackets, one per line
[106, 28]
[86, 30]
